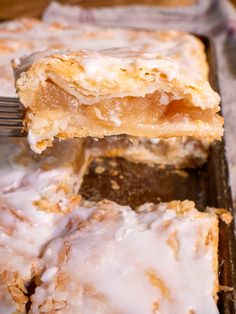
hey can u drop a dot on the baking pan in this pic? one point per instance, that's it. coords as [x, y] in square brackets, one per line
[133, 184]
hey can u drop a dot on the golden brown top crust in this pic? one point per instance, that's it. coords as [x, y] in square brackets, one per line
[117, 72]
[26, 35]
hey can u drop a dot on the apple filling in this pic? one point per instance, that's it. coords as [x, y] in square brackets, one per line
[155, 115]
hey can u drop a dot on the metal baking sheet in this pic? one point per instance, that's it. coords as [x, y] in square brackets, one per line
[135, 183]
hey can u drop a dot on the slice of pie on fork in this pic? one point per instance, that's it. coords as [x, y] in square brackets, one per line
[111, 92]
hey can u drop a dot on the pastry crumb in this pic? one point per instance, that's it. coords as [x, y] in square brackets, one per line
[114, 185]
[181, 173]
[99, 170]
[226, 288]
[114, 173]
[223, 214]
[113, 163]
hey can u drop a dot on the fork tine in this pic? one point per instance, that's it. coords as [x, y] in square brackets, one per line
[12, 123]
[11, 132]
[9, 119]
[10, 115]
[6, 100]
[7, 107]
[9, 104]
[10, 127]
[10, 111]
[9, 99]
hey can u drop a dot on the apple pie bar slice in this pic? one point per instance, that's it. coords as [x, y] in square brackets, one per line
[157, 259]
[38, 198]
[111, 92]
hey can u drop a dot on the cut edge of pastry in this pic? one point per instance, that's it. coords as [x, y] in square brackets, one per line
[177, 152]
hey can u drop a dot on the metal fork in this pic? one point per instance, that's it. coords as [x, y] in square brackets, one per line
[11, 117]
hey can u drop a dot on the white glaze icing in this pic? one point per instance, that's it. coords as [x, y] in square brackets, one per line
[26, 226]
[7, 306]
[127, 265]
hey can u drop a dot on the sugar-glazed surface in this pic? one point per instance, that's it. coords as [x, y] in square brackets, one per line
[162, 259]
[38, 198]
